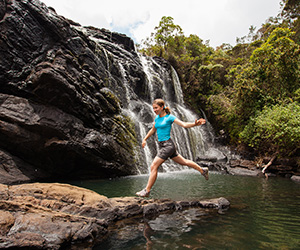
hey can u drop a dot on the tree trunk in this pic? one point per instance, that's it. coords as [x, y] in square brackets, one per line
[269, 164]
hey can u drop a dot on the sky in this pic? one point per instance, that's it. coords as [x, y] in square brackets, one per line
[219, 21]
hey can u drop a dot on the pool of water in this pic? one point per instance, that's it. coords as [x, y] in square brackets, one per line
[264, 214]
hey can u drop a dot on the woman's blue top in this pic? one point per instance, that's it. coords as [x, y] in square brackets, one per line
[163, 126]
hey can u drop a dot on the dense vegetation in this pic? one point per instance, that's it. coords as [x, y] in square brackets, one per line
[252, 90]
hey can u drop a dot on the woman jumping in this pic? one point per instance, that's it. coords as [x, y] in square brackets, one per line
[162, 125]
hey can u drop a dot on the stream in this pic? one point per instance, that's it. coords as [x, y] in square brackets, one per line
[264, 214]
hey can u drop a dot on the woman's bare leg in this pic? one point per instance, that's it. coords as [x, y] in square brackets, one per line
[185, 162]
[153, 174]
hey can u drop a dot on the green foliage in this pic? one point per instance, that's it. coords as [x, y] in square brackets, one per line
[276, 128]
[270, 77]
[297, 95]
[277, 63]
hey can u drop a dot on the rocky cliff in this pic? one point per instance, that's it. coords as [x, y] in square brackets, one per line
[61, 97]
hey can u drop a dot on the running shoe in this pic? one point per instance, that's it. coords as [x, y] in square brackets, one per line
[205, 173]
[143, 193]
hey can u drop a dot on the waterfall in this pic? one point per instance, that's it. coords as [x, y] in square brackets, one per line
[148, 74]
[177, 87]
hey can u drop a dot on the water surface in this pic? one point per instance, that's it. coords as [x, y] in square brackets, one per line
[264, 214]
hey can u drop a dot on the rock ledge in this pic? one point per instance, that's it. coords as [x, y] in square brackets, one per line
[53, 215]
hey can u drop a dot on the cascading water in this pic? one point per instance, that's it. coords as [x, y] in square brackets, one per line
[141, 80]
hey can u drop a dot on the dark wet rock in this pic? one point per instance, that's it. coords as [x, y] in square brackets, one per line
[57, 216]
[15, 170]
[219, 203]
[52, 143]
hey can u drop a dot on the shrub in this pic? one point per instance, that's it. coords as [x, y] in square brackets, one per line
[276, 128]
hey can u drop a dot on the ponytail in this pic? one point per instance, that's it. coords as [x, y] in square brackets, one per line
[167, 110]
[161, 103]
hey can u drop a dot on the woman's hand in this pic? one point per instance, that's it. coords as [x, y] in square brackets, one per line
[151, 132]
[144, 143]
[200, 122]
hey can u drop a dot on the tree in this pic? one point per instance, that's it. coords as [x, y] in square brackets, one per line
[291, 14]
[209, 72]
[166, 30]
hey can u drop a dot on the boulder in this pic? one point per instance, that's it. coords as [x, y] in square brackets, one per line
[243, 171]
[295, 178]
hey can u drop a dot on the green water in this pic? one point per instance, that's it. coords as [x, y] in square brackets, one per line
[264, 214]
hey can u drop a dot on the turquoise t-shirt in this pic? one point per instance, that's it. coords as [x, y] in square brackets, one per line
[163, 126]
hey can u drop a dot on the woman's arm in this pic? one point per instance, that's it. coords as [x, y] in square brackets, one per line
[151, 132]
[189, 124]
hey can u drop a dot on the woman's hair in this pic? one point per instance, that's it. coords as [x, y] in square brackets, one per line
[161, 103]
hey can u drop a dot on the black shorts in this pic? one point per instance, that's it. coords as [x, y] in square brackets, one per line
[166, 149]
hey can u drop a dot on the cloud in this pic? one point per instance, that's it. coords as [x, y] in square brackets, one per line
[220, 21]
